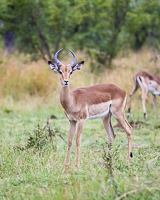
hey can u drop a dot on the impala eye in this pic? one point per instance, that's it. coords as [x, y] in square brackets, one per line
[70, 72]
[60, 72]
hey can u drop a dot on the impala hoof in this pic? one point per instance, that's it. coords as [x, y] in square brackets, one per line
[65, 169]
[145, 115]
[76, 169]
[128, 161]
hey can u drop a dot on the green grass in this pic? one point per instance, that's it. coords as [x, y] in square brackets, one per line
[37, 174]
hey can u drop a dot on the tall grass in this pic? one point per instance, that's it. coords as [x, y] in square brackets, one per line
[23, 80]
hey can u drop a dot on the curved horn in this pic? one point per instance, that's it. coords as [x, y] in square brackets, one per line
[56, 59]
[75, 59]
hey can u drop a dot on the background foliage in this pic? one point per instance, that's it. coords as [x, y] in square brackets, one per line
[100, 27]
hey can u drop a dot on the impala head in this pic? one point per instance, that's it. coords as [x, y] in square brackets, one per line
[65, 70]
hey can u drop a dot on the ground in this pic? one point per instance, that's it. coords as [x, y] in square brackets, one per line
[35, 172]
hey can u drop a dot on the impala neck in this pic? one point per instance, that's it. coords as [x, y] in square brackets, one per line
[66, 98]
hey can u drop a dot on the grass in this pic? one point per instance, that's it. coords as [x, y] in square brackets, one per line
[37, 174]
[22, 79]
[30, 94]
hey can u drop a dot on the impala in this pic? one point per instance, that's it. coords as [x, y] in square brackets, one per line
[148, 83]
[98, 101]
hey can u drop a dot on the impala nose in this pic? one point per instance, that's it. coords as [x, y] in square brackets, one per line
[65, 82]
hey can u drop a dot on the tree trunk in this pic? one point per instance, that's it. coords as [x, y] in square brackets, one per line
[9, 39]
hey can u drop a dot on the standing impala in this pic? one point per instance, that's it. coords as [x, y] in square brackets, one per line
[98, 101]
[148, 83]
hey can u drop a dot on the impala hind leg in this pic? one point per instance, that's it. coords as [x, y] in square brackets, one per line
[144, 86]
[110, 132]
[144, 95]
[78, 141]
[70, 141]
[136, 86]
[155, 102]
[119, 115]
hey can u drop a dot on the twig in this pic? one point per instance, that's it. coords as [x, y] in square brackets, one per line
[58, 134]
[126, 194]
[153, 188]
[134, 191]
[51, 134]
[49, 129]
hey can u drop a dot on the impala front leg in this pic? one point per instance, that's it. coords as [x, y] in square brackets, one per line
[78, 141]
[144, 95]
[70, 141]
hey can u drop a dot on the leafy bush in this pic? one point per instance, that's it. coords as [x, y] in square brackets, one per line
[42, 137]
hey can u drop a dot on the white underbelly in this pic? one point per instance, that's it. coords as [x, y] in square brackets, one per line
[101, 115]
[99, 110]
[152, 90]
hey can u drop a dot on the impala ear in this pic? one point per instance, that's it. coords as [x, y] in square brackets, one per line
[53, 66]
[77, 66]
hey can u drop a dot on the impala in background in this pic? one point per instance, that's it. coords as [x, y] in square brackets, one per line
[148, 83]
[98, 101]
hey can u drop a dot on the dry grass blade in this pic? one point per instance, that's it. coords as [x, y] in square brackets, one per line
[153, 188]
[134, 191]
[126, 194]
